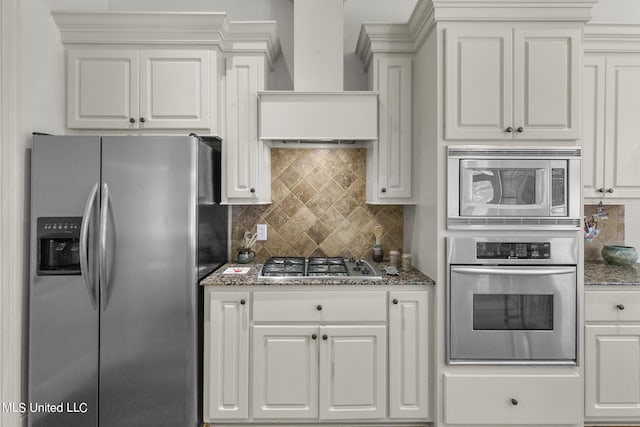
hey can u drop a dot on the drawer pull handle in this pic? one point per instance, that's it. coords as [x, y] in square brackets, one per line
[514, 402]
[314, 336]
[319, 307]
[620, 306]
[395, 300]
[325, 337]
[243, 301]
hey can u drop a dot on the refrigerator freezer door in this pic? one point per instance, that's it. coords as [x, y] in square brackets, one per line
[148, 329]
[63, 322]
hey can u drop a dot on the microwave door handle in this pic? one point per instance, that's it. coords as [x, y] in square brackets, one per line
[517, 271]
[104, 211]
[84, 242]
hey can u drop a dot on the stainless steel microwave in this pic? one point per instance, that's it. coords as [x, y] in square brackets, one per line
[507, 187]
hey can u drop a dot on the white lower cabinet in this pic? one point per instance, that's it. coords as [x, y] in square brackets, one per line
[285, 372]
[226, 356]
[353, 362]
[314, 356]
[612, 356]
[512, 399]
[409, 371]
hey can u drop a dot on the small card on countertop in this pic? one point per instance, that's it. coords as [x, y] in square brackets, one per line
[236, 270]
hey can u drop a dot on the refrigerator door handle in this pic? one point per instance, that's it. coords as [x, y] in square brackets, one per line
[104, 211]
[84, 241]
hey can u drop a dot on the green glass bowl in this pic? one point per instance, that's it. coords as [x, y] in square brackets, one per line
[622, 255]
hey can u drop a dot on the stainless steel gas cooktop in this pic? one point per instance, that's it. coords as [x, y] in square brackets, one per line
[283, 268]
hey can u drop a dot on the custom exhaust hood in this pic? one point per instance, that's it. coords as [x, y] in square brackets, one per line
[318, 110]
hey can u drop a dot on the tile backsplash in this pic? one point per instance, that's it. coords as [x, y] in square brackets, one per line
[318, 208]
[611, 233]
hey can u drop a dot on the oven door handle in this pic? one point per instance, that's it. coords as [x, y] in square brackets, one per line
[515, 271]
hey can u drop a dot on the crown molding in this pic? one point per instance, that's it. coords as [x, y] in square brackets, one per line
[611, 37]
[513, 10]
[379, 37]
[168, 28]
[408, 37]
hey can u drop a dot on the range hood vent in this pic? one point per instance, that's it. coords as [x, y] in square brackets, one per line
[318, 116]
[318, 109]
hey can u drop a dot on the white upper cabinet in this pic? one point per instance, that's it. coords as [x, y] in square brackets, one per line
[511, 82]
[102, 88]
[157, 71]
[175, 89]
[389, 172]
[622, 127]
[390, 71]
[611, 107]
[247, 165]
[138, 89]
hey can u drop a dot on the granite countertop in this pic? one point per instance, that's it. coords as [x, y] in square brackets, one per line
[413, 277]
[601, 273]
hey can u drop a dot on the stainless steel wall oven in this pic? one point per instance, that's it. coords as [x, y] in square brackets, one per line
[512, 300]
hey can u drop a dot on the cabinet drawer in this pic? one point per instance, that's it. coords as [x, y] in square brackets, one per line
[612, 306]
[512, 399]
[319, 306]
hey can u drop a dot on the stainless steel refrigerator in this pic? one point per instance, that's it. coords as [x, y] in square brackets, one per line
[122, 228]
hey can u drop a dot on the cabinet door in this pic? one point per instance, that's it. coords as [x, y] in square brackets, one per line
[175, 89]
[478, 83]
[353, 372]
[622, 147]
[102, 88]
[593, 112]
[546, 83]
[393, 78]
[247, 169]
[408, 355]
[612, 371]
[285, 372]
[226, 360]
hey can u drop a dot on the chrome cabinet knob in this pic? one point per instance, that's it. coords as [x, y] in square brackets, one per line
[620, 307]
[514, 402]
[509, 129]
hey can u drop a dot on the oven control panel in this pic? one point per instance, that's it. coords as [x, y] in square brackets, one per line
[513, 250]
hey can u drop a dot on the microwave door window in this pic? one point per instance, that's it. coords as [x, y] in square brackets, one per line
[502, 192]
